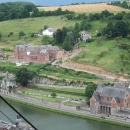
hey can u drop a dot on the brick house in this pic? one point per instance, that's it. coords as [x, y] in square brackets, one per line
[110, 100]
[37, 54]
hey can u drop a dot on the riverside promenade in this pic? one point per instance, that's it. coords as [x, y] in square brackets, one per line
[62, 107]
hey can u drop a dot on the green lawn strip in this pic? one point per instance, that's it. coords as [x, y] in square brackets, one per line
[51, 99]
[69, 114]
[49, 93]
[63, 90]
[71, 104]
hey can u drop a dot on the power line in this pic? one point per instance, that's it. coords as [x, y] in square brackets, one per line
[18, 112]
[9, 119]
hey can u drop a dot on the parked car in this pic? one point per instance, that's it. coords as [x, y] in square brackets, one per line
[102, 117]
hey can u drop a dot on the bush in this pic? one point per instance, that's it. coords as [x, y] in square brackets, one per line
[89, 40]
[21, 33]
[88, 102]
[53, 95]
[32, 34]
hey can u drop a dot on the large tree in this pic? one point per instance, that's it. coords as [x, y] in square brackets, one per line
[23, 75]
[90, 89]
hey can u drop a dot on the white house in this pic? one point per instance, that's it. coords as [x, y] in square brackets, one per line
[85, 36]
[48, 32]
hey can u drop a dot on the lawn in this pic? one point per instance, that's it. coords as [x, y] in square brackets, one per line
[71, 104]
[49, 93]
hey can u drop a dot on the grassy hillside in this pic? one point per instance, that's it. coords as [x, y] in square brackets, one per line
[86, 8]
[28, 26]
[106, 55]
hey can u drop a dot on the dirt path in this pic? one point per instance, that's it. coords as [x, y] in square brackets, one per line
[93, 70]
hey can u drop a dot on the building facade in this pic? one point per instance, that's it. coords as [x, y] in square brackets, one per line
[109, 100]
[37, 54]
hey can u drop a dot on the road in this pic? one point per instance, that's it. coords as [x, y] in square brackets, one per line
[73, 111]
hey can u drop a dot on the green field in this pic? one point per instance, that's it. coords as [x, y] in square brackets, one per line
[28, 26]
[110, 60]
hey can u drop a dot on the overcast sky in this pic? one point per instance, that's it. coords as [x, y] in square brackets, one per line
[55, 2]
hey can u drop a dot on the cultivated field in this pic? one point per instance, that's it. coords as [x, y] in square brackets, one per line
[86, 8]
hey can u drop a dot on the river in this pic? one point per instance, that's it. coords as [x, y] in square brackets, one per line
[45, 120]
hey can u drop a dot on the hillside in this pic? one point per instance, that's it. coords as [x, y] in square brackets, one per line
[28, 26]
[86, 8]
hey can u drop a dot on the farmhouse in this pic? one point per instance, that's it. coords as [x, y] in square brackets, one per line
[109, 100]
[37, 54]
[85, 36]
[48, 32]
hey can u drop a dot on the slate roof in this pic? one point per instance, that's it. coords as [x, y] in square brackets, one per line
[117, 100]
[113, 92]
[9, 79]
[99, 89]
[96, 96]
[119, 85]
[43, 51]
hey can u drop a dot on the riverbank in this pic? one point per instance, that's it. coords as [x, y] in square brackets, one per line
[76, 113]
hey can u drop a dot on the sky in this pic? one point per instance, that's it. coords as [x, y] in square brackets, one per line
[55, 2]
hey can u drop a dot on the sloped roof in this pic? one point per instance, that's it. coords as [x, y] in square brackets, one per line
[113, 92]
[119, 85]
[99, 89]
[96, 96]
[117, 100]
[43, 51]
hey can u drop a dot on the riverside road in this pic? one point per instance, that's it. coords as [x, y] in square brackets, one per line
[70, 110]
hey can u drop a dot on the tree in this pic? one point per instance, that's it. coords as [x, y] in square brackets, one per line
[21, 33]
[47, 40]
[23, 75]
[67, 44]
[90, 89]
[53, 95]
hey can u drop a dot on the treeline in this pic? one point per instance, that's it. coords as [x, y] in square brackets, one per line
[15, 10]
[123, 4]
[103, 16]
[59, 11]
[18, 10]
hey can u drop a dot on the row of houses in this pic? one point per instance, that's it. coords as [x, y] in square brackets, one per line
[110, 100]
[37, 53]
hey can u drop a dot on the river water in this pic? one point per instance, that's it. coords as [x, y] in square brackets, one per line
[44, 120]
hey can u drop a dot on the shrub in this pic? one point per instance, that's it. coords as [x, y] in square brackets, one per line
[53, 95]
[21, 33]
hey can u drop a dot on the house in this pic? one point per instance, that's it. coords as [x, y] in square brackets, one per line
[8, 81]
[85, 36]
[37, 54]
[109, 100]
[48, 32]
